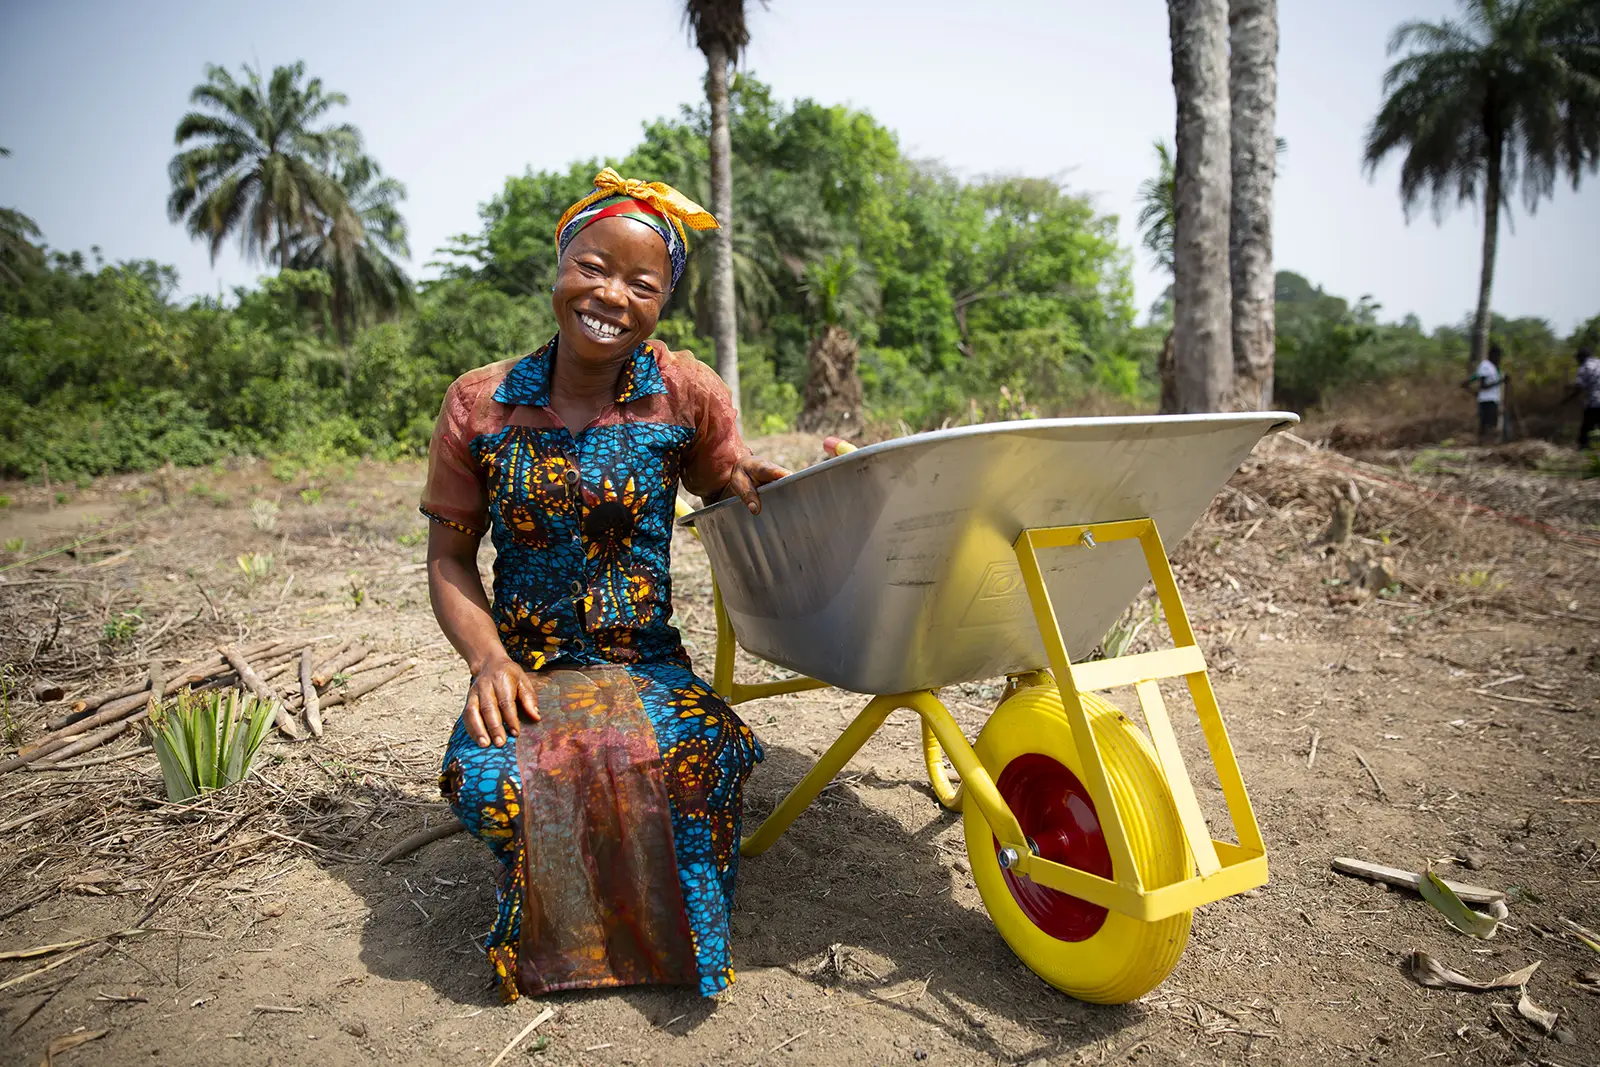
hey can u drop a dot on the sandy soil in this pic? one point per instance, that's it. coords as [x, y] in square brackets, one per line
[860, 938]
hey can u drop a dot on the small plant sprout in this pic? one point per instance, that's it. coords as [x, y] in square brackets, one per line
[256, 565]
[412, 538]
[263, 514]
[120, 629]
[207, 741]
[1124, 632]
[310, 496]
[15, 544]
[13, 730]
[358, 590]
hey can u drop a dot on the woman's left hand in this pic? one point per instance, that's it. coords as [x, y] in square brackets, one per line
[752, 472]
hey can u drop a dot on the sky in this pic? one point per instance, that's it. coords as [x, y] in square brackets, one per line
[453, 99]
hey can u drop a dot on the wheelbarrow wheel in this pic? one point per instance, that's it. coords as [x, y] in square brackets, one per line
[1080, 948]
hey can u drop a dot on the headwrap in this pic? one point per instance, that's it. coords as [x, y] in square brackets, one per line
[656, 204]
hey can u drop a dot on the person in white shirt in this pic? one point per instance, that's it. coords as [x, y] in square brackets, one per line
[1488, 378]
[1588, 386]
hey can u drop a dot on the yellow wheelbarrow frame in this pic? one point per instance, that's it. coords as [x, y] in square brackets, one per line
[1217, 868]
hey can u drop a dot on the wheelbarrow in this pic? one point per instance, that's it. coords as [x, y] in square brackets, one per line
[1008, 550]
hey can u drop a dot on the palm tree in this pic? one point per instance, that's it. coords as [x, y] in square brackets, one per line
[1158, 225]
[18, 253]
[1509, 91]
[1253, 100]
[719, 30]
[354, 247]
[1157, 212]
[1202, 295]
[260, 167]
[841, 293]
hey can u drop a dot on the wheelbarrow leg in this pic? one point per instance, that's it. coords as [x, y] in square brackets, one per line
[817, 778]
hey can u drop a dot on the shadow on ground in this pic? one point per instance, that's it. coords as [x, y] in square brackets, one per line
[846, 874]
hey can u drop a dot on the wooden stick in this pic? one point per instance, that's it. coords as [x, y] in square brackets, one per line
[91, 703]
[99, 737]
[308, 694]
[410, 844]
[266, 654]
[372, 663]
[1377, 872]
[115, 757]
[1316, 735]
[158, 684]
[47, 692]
[83, 707]
[333, 667]
[1382, 792]
[543, 1017]
[280, 714]
[351, 692]
[332, 654]
[112, 712]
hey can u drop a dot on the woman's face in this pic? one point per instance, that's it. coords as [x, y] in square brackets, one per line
[610, 288]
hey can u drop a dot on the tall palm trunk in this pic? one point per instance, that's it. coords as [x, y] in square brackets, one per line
[724, 324]
[1253, 91]
[1202, 311]
[1491, 238]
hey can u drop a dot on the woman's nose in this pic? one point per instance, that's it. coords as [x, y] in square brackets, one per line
[614, 291]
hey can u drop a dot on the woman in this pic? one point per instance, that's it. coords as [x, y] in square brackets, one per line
[570, 459]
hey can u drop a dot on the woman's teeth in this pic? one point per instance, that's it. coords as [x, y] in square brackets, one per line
[600, 329]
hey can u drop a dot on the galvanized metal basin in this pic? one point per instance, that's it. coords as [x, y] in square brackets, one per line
[890, 568]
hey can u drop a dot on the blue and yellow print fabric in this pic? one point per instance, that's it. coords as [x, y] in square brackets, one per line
[582, 529]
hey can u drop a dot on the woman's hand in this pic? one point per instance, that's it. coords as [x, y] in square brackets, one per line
[753, 471]
[498, 691]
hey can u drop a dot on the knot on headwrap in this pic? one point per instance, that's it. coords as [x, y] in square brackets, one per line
[656, 204]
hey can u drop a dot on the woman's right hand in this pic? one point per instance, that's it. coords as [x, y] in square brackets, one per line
[498, 691]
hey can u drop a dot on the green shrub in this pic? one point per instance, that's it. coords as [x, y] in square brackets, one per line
[207, 741]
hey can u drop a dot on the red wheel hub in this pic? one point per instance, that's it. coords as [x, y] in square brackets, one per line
[1059, 818]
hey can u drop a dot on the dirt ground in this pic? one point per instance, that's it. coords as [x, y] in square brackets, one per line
[1467, 684]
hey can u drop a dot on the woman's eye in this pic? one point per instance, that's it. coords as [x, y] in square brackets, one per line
[645, 289]
[592, 269]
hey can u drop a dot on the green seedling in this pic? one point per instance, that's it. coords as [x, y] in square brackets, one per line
[207, 741]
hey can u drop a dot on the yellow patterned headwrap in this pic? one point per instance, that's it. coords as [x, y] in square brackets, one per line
[656, 204]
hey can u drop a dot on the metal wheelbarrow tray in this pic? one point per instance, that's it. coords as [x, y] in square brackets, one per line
[891, 568]
[1005, 550]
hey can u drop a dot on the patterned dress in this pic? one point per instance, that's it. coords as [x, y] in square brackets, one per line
[582, 530]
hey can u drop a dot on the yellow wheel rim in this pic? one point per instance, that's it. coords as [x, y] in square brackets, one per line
[1109, 960]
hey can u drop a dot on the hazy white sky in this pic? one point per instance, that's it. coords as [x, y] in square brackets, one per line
[454, 98]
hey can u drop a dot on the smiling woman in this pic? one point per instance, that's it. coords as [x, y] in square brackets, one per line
[617, 817]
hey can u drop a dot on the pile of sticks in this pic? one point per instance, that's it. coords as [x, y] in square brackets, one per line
[102, 717]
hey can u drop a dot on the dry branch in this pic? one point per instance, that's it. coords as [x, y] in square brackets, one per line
[264, 692]
[1402, 879]
[334, 653]
[158, 683]
[406, 846]
[335, 666]
[372, 663]
[308, 694]
[99, 737]
[349, 693]
[88, 704]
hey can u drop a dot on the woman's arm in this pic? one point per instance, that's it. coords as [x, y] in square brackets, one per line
[499, 684]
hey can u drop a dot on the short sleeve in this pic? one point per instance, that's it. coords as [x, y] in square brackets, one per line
[454, 493]
[717, 447]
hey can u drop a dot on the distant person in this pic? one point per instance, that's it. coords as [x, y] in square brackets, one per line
[1489, 379]
[1587, 384]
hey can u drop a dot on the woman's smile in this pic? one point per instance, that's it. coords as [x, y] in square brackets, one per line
[598, 328]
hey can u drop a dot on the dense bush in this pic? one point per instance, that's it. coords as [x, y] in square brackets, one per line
[1000, 297]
